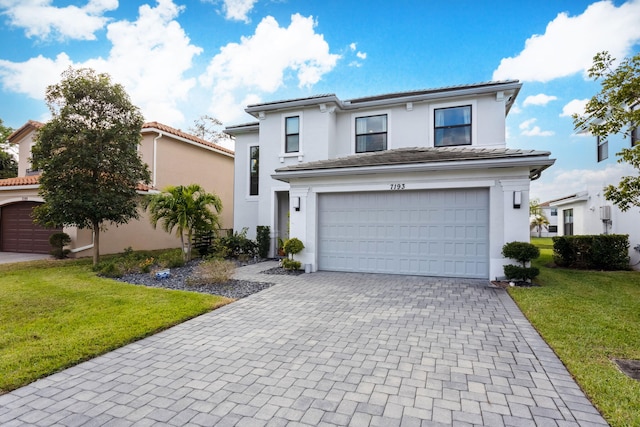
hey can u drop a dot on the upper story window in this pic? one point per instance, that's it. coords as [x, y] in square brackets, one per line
[371, 133]
[554, 211]
[254, 170]
[452, 126]
[292, 134]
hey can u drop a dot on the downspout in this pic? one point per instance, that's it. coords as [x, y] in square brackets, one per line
[155, 157]
[84, 248]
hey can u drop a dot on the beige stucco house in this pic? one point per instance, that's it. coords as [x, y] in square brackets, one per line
[174, 158]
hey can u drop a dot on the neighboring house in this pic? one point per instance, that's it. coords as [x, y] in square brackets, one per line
[407, 183]
[551, 213]
[174, 158]
[588, 212]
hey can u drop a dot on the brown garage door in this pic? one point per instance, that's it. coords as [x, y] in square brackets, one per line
[18, 233]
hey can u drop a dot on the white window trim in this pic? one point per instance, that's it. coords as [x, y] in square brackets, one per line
[354, 116]
[248, 172]
[462, 103]
[283, 129]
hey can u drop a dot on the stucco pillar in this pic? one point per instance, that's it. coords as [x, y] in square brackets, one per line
[302, 223]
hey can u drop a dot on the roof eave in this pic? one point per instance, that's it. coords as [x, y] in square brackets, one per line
[535, 164]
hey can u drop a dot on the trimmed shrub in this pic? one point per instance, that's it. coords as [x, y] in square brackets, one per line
[523, 252]
[263, 239]
[596, 252]
[58, 241]
[293, 246]
[291, 264]
[521, 273]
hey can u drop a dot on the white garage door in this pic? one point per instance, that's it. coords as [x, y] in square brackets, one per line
[430, 232]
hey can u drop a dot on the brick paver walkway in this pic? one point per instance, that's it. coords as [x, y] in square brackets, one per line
[325, 349]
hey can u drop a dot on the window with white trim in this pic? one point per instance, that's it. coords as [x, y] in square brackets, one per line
[254, 170]
[371, 133]
[452, 126]
[292, 134]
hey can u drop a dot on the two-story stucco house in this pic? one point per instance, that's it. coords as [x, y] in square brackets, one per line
[416, 183]
[174, 158]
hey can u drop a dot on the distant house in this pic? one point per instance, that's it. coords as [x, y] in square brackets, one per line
[417, 182]
[588, 212]
[551, 213]
[174, 158]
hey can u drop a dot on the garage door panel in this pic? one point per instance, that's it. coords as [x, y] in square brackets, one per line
[435, 232]
[18, 232]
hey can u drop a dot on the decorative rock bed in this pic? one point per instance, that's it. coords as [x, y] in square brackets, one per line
[177, 280]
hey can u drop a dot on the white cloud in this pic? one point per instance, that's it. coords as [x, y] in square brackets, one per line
[238, 10]
[34, 75]
[41, 20]
[148, 57]
[540, 99]
[527, 129]
[569, 43]
[575, 106]
[561, 183]
[266, 61]
[353, 46]
[361, 55]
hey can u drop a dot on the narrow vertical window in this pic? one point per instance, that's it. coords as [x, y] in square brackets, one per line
[452, 126]
[254, 170]
[371, 133]
[292, 134]
[603, 148]
[568, 222]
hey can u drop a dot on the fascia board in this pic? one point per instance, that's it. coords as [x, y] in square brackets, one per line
[436, 95]
[419, 167]
[20, 187]
[254, 110]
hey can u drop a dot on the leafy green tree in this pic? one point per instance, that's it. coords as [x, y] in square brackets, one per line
[186, 209]
[8, 165]
[88, 155]
[616, 109]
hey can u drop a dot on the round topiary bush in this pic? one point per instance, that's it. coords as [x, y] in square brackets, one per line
[293, 246]
[523, 252]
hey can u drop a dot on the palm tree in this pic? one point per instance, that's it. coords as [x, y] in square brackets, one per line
[187, 210]
[538, 222]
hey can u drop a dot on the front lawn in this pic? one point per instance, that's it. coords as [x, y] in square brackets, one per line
[588, 318]
[55, 314]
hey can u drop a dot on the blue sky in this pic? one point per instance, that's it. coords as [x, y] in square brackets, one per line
[181, 59]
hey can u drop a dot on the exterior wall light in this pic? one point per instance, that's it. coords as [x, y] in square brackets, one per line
[296, 203]
[517, 199]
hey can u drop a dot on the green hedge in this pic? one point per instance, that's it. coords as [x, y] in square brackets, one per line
[593, 252]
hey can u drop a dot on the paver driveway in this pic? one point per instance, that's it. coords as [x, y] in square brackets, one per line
[325, 349]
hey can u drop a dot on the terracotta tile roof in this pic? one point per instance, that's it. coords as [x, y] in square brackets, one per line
[19, 181]
[149, 126]
[403, 156]
[33, 180]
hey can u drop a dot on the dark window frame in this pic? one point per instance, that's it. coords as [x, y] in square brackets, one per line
[368, 139]
[254, 170]
[289, 137]
[567, 221]
[602, 149]
[437, 139]
[553, 229]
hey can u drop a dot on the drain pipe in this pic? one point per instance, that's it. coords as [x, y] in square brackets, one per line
[155, 157]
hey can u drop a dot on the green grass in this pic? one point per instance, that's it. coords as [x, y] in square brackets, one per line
[55, 314]
[588, 318]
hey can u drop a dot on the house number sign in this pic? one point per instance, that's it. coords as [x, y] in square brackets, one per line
[397, 186]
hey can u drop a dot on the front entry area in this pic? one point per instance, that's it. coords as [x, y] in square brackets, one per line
[18, 232]
[426, 232]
